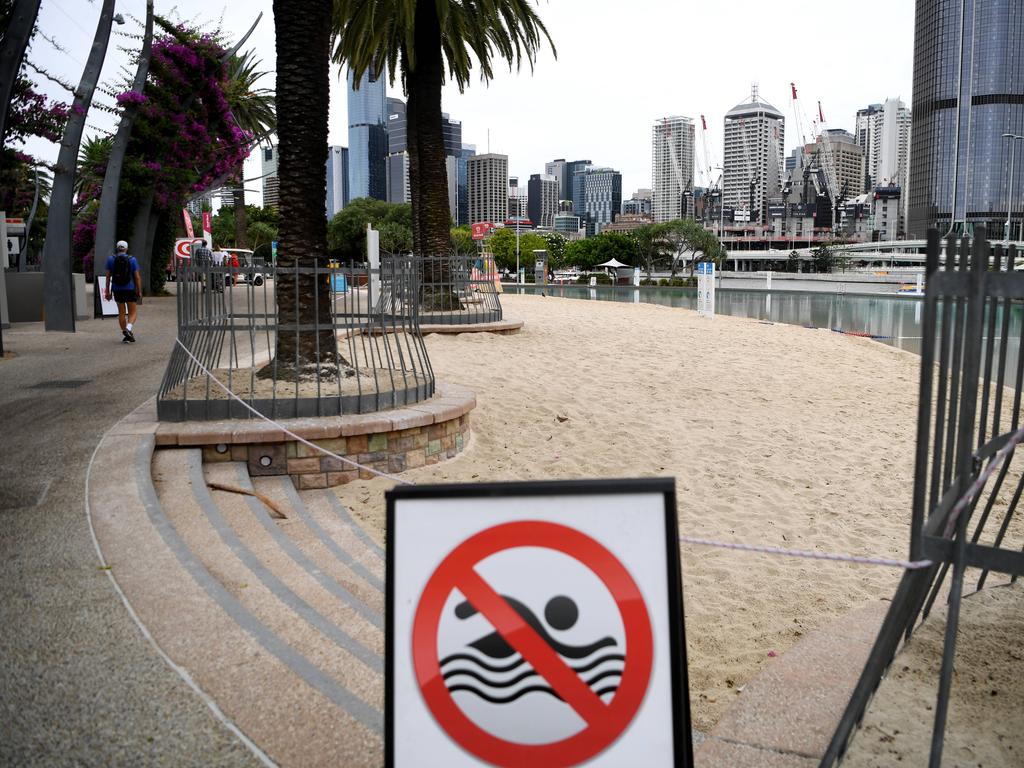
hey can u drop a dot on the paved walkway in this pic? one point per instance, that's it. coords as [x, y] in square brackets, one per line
[81, 685]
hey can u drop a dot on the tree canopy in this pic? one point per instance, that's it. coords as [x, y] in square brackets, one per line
[346, 232]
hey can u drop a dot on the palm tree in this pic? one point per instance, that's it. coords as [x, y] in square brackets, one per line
[92, 163]
[425, 38]
[253, 111]
[303, 36]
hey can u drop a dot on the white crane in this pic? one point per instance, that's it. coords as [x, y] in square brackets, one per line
[829, 160]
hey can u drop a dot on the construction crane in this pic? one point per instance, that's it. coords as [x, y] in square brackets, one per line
[705, 170]
[831, 177]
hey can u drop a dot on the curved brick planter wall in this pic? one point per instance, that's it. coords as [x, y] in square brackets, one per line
[388, 441]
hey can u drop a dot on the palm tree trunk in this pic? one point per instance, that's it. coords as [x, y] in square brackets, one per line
[19, 30]
[428, 178]
[106, 220]
[241, 219]
[58, 297]
[302, 30]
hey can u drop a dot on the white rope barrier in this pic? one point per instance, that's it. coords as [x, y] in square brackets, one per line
[284, 429]
[957, 510]
[910, 565]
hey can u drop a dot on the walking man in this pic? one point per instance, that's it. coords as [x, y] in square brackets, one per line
[125, 284]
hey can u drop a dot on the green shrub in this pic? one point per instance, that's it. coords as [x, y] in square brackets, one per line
[663, 281]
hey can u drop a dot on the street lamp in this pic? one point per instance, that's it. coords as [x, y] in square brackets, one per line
[1014, 137]
[519, 210]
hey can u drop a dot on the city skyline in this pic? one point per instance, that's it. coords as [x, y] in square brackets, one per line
[847, 80]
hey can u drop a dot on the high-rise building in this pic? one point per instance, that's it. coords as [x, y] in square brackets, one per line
[271, 183]
[672, 143]
[337, 180]
[487, 177]
[639, 204]
[753, 165]
[602, 198]
[397, 184]
[574, 183]
[462, 209]
[516, 203]
[846, 158]
[968, 70]
[542, 199]
[557, 169]
[883, 133]
[867, 130]
[367, 137]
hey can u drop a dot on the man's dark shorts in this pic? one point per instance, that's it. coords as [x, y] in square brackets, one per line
[125, 297]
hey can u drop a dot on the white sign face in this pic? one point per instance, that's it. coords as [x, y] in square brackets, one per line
[706, 288]
[107, 308]
[540, 626]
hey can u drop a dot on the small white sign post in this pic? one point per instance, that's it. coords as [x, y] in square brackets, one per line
[373, 262]
[706, 288]
[535, 624]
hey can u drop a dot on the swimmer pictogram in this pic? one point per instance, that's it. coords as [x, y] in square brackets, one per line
[522, 656]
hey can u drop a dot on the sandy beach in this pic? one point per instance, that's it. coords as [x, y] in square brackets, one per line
[775, 434]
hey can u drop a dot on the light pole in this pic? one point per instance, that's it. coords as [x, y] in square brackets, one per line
[519, 208]
[1014, 138]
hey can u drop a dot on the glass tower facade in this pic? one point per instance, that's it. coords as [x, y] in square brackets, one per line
[367, 138]
[968, 70]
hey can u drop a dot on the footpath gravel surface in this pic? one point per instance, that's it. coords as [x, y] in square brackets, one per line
[80, 684]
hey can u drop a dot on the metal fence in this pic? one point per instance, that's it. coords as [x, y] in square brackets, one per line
[230, 320]
[454, 290]
[966, 484]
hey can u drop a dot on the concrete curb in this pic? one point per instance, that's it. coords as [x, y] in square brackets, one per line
[785, 717]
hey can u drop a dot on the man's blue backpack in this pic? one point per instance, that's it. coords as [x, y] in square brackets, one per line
[122, 271]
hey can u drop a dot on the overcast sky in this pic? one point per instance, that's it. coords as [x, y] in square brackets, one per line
[620, 67]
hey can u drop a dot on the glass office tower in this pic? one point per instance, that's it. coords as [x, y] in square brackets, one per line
[367, 138]
[968, 70]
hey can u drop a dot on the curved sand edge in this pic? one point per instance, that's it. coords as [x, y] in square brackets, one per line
[776, 435]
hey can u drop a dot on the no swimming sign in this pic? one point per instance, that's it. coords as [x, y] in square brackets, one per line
[535, 624]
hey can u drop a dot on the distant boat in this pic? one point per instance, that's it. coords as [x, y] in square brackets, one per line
[910, 289]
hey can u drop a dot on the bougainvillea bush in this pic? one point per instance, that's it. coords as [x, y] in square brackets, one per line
[30, 114]
[184, 139]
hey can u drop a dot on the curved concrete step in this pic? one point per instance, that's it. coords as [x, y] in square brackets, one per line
[282, 682]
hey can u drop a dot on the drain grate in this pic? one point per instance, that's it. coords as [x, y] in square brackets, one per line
[61, 384]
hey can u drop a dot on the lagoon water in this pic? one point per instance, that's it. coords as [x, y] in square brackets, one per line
[894, 320]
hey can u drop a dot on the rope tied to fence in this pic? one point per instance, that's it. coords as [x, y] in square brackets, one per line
[808, 554]
[979, 482]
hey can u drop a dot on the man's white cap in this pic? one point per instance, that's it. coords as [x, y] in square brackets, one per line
[122, 245]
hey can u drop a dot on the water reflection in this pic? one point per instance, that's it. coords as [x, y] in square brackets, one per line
[892, 320]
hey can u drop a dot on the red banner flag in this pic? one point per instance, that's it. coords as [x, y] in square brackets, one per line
[482, 229]
[793, 86]
[188, 222]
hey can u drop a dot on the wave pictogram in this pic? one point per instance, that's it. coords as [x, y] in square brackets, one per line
[468, 672]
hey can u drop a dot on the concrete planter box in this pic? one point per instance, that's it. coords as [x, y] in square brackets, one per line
[25, 297]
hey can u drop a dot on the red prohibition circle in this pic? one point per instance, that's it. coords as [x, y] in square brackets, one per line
[605, 722]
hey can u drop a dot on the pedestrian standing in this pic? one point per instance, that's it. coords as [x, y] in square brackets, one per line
[219, 257]
[202, 258]
[124, 284]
